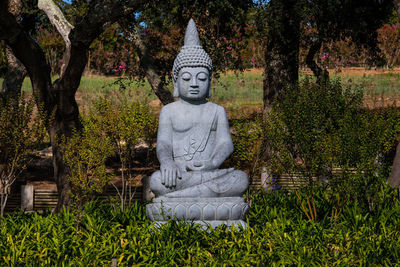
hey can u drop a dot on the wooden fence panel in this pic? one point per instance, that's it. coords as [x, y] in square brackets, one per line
[44, 199]
[47, 199]
[13, 202]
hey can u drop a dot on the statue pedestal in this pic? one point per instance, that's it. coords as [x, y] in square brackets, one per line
[212, 211]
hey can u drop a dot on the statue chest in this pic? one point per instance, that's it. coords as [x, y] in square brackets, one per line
[183, 124]
[193, 134]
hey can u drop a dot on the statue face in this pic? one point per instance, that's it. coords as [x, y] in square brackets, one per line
[193, 83]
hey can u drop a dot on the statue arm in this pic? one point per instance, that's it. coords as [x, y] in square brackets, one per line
[169, 170]
[164, 138]
[224, 145]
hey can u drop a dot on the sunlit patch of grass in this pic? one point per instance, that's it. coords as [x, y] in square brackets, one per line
[231, 88]
[246, 86]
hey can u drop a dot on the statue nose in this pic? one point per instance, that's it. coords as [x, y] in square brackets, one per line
[194, 83]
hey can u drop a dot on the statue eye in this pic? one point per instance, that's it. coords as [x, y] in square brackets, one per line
[186, 76]
[202, 76]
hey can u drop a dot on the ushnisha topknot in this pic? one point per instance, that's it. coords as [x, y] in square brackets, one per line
[192, 53]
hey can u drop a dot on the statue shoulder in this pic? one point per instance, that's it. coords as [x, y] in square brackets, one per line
[220, 110]
[169, 108]
[218, 107]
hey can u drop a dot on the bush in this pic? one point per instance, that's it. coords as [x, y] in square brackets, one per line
[110, 128]
[246, 139]
[85, 154]
[317, 129]
[21, 131]
[388, 43]
[125, 125]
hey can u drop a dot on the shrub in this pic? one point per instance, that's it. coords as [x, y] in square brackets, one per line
[246, 138]
[125, 125]
[21, 131]
[85, 154]
[388, 43]
[110, 128]
[316, 129]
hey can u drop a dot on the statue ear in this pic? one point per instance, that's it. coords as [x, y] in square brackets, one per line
[176, 91]
[209, 86]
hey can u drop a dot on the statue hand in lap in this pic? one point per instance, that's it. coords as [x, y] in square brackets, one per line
[203, 165]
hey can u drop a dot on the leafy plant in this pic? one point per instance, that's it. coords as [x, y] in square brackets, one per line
[85, 154]
[388, 43]
[323, 133]
[278, 234]
[246, 138]
[21, 131]
[125, 125]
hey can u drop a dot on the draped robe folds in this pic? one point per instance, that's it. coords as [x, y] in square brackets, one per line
[190, 148]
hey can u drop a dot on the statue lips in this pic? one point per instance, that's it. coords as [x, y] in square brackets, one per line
[194, 92]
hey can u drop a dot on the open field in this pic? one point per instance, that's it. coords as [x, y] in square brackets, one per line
[235, 89]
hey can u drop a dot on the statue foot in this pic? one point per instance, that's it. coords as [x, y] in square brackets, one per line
[192, 192]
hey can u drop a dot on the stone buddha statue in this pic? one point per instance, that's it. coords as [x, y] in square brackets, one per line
[193, 141]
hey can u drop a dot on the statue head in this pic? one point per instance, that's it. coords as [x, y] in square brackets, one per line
[192, 68]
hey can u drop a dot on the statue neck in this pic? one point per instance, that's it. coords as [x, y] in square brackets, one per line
[192, 102]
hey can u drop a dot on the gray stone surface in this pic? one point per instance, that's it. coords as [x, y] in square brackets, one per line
[27, 194]
[193, 141]
[203, 209]
[205, 224]
[148, 195]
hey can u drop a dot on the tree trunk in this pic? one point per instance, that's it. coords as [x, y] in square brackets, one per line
[282, 50]
[394, 177]
[16, 72]
[66, 119]
[14, 77]
[319, 73]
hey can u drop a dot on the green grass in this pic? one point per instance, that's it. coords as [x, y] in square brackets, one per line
[242, 87]
[384, 84]
[245, 87]
[232, 89]
[279, 234]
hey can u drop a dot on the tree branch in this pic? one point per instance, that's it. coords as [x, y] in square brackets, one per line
[147, 62]
[28, 52]
[88, 27]
[56, 18]
[318, 72]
